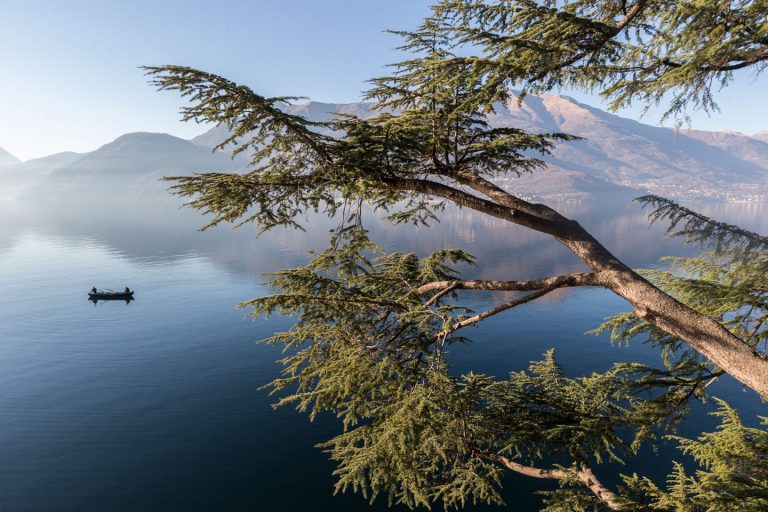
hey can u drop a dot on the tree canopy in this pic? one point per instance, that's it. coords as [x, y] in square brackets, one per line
[371, 328]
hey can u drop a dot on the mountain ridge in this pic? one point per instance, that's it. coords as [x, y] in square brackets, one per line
[7, 159]
[616, 151]
[131, 165]
[617, 156]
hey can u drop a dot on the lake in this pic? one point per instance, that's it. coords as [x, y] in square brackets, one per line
[154, 405]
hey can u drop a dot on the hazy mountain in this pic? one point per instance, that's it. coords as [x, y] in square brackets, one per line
[144, 153]
[41, 166]
[674, 163]
[7, 159]
[749, 149]
[134, 163]
[16, 178]
[313, 110]
[617, 155]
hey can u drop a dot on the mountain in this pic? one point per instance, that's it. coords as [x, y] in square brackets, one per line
[144, 153]
[134, 163]
[616, 156]
[313, 110]
[7, 159]
[673, 163]
[39, 167]
[749, 149]
[16, 178]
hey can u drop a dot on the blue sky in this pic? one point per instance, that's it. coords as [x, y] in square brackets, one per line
[70, 77]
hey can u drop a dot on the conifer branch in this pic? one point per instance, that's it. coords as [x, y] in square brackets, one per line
[566, 280]
[369, 333]
[443, 292]
[247, 114]
[498, 309]
[498, 194]
[648, 51]
[699, 228]
[584, 475]
[461, 198]
[589, 48]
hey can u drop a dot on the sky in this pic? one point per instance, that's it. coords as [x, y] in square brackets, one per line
[70, 77]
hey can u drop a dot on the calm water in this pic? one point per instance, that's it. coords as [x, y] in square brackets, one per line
[153, 405]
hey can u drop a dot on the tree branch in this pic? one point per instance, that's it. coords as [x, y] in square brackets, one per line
[565, 280]
[496, 193]
[516, 216]
[629, 16]
[731, 64]
[584, 474]
[498, 309]
[632, 13]
[703, 334]
[445, 291]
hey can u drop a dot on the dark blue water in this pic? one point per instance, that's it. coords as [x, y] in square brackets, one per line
[153, 405]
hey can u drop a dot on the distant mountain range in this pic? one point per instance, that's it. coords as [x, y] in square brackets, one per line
[7, 159]
[618, 157]
[130, 166]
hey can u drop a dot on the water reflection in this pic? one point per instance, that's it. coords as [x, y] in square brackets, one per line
[96, 300]
[155, 407]
[161, 232]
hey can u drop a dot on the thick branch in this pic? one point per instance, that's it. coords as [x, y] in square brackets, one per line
[588, 478]
[732, 64]
[584, 475]
[498, 194]
[461, 198]
[705, 335]
[565, 280]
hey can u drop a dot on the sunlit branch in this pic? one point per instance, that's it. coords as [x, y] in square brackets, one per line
[461, 198]
[584, 474]
[445, 291]
[565, 280]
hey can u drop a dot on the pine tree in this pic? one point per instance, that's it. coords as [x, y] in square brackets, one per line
[371, 328]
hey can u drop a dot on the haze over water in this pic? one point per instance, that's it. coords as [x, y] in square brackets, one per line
[154, 405]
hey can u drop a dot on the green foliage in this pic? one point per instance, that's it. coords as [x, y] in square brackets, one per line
[729, 282]
[733, 474]
[296, 169]
[369, 347]
[651, 51]
[699, 229]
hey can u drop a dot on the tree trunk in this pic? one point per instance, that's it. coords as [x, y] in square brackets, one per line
[704, 334]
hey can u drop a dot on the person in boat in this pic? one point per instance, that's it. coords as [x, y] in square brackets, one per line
[93, 290]
[127, 290]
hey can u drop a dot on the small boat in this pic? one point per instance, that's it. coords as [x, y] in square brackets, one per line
[110, 295]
